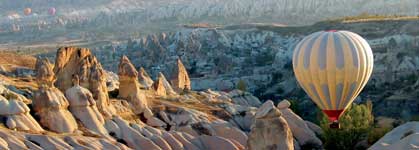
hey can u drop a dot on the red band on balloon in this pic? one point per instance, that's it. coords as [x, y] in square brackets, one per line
[331, 30]
[333, 114]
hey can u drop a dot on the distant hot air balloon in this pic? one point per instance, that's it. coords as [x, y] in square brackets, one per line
[333, 67]
[52, 11]
[27, 11]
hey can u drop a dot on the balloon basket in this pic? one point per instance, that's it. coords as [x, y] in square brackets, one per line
[334, 125]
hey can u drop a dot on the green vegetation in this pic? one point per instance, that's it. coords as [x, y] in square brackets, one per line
[363, 17]
[241, 85]
[356, 124]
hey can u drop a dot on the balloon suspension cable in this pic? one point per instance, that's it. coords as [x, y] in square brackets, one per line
[334, 125]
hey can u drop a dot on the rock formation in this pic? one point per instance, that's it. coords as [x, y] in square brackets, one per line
[299, 128]
[129, 87]
[144, 79]
[405, 136]
[180, 78]
[270, 130]
[79, 61]
[162, 86]
[16, 112]
[49, 102]
[244, 98]
[83, 107]
[18, 140]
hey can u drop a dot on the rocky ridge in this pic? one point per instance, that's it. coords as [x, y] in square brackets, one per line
[260, 55]
[81, 110]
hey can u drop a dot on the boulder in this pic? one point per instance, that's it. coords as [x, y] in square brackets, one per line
[180, 78]
[49, 102]
[13, 108]
[80, 61]
[244, 98]
[284, 104]
[145, 79]
[404, 137]
[214, 143]
[299, 128]
[229, 132]
[83, 107]
[314, 127]
[132, 137]
[129, 87]
[272, 128]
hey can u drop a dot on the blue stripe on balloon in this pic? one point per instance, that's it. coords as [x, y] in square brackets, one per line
[340, 58]
[326, 93]
[339, 90]
[322, 55]
[308, 50]
[353, 50]
[298, 49]
[351, 92]
[316, 96]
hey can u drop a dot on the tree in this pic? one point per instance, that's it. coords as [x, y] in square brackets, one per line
[392, 43]
[355, 123]
[241, 85]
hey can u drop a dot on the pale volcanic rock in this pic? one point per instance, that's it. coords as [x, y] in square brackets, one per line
[94, 143]
[83, 107]
[315, 128]
[145, 79]
[162, 86]
[214, 143]
[244, 98]
[79, 61]
[180, 78]
[132, 137]
[49, 142]
[185, 142]
[229, 132]
[159, 86]
[298, 126]
[129, 87]
[19, 140]
[404, 137]
[49, 102]
[272, 127]
[12, 106]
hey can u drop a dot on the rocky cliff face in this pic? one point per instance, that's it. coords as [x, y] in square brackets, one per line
[49, 102]
[79, 61]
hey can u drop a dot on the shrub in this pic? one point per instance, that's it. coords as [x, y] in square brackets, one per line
[241, 85]
[355, 124]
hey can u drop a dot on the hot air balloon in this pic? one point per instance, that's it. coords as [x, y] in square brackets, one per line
[52, 11]
[333, 67]
[27, 11]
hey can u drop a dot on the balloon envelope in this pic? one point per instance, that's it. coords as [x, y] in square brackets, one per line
[333, 67]
[52, 11]
[27, 11]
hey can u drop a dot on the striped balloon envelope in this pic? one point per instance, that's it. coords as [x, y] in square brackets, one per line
[333, 67]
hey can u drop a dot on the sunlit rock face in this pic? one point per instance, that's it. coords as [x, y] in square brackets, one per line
[49, 102]
[271, 126]
[83, 107]
[180, 78]
[129, 87]
[79, 61]
[13, 107]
